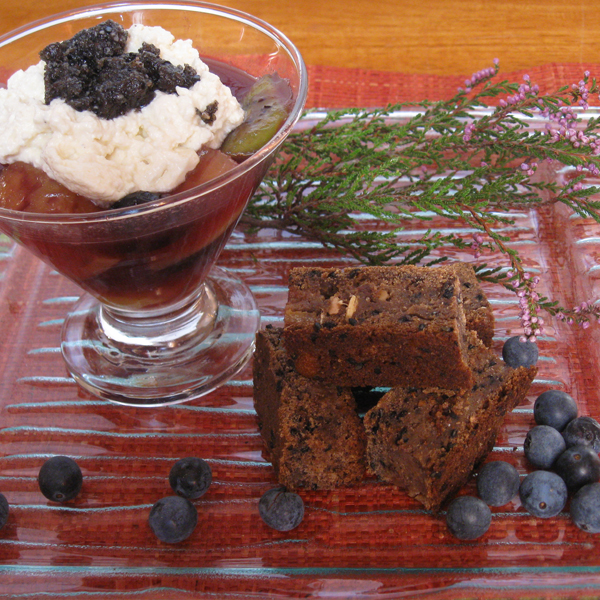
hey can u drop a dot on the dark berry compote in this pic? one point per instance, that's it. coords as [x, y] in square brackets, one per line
[159, 257]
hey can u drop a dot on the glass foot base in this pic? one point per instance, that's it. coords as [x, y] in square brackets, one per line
[167, 360]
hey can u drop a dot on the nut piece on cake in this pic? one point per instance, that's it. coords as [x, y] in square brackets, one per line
[312, 431]
[378, 326]
[427, 442]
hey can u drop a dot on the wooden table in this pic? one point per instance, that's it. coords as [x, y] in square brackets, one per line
[411, 36]
[372, 541]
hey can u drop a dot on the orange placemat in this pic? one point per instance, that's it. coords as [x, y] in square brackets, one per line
[371, 541]
[335, 87]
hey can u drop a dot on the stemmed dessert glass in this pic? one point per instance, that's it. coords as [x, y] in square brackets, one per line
[158, 323]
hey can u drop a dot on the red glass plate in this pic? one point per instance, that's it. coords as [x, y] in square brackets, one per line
[370, 541]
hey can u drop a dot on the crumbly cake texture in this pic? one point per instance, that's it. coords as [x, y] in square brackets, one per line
[312, 431]
[378, 326]
[476, 307]
[428, 442]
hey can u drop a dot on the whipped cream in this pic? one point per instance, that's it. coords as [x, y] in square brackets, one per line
[147, 150]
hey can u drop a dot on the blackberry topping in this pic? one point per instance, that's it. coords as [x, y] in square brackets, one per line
[92, 71]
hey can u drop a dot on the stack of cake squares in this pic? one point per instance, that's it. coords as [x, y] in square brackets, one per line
[415, 342]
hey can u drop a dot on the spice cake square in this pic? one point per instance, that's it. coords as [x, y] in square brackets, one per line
[378, 326]
[313, 434]
[427, 442]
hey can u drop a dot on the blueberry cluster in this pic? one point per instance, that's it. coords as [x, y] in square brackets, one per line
[563, 447]
[174, 518]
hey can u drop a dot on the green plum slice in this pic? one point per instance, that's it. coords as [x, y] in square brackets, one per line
[267, 107]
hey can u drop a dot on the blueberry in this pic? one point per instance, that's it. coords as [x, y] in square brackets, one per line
[3, 510]
[60, 479]
[543, 494]
[519, 354]
[468, 517]
[173, 519]
[578, 465]
[280, 509]
[135, 199]
[554, 408]
[498, 483]
[190, 477]
[585, 508]
[583, 430]
[543, 445]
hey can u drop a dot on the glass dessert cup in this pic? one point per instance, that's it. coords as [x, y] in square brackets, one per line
[158, 323]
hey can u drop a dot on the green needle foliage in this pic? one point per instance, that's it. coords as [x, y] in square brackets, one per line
[460, 159]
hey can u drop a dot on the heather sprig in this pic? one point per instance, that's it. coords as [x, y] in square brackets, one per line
[471, 159]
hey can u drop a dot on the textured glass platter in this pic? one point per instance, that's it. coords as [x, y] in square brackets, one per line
[370, 541]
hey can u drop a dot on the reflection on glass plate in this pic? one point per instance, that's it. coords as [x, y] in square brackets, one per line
[371, 541]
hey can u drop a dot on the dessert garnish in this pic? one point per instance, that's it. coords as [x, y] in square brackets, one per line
[60, 479]
[583, 430]
[280, 509]
[190, 477]
[497, 483]
[518, 352]
[110, 113]
[585, 508]
[116, 118]
[578, 465]
[93, 71]
[4, 510]
[543, 445]
[543, 493]
[468, 518]
[555, 408]
[173, 519]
